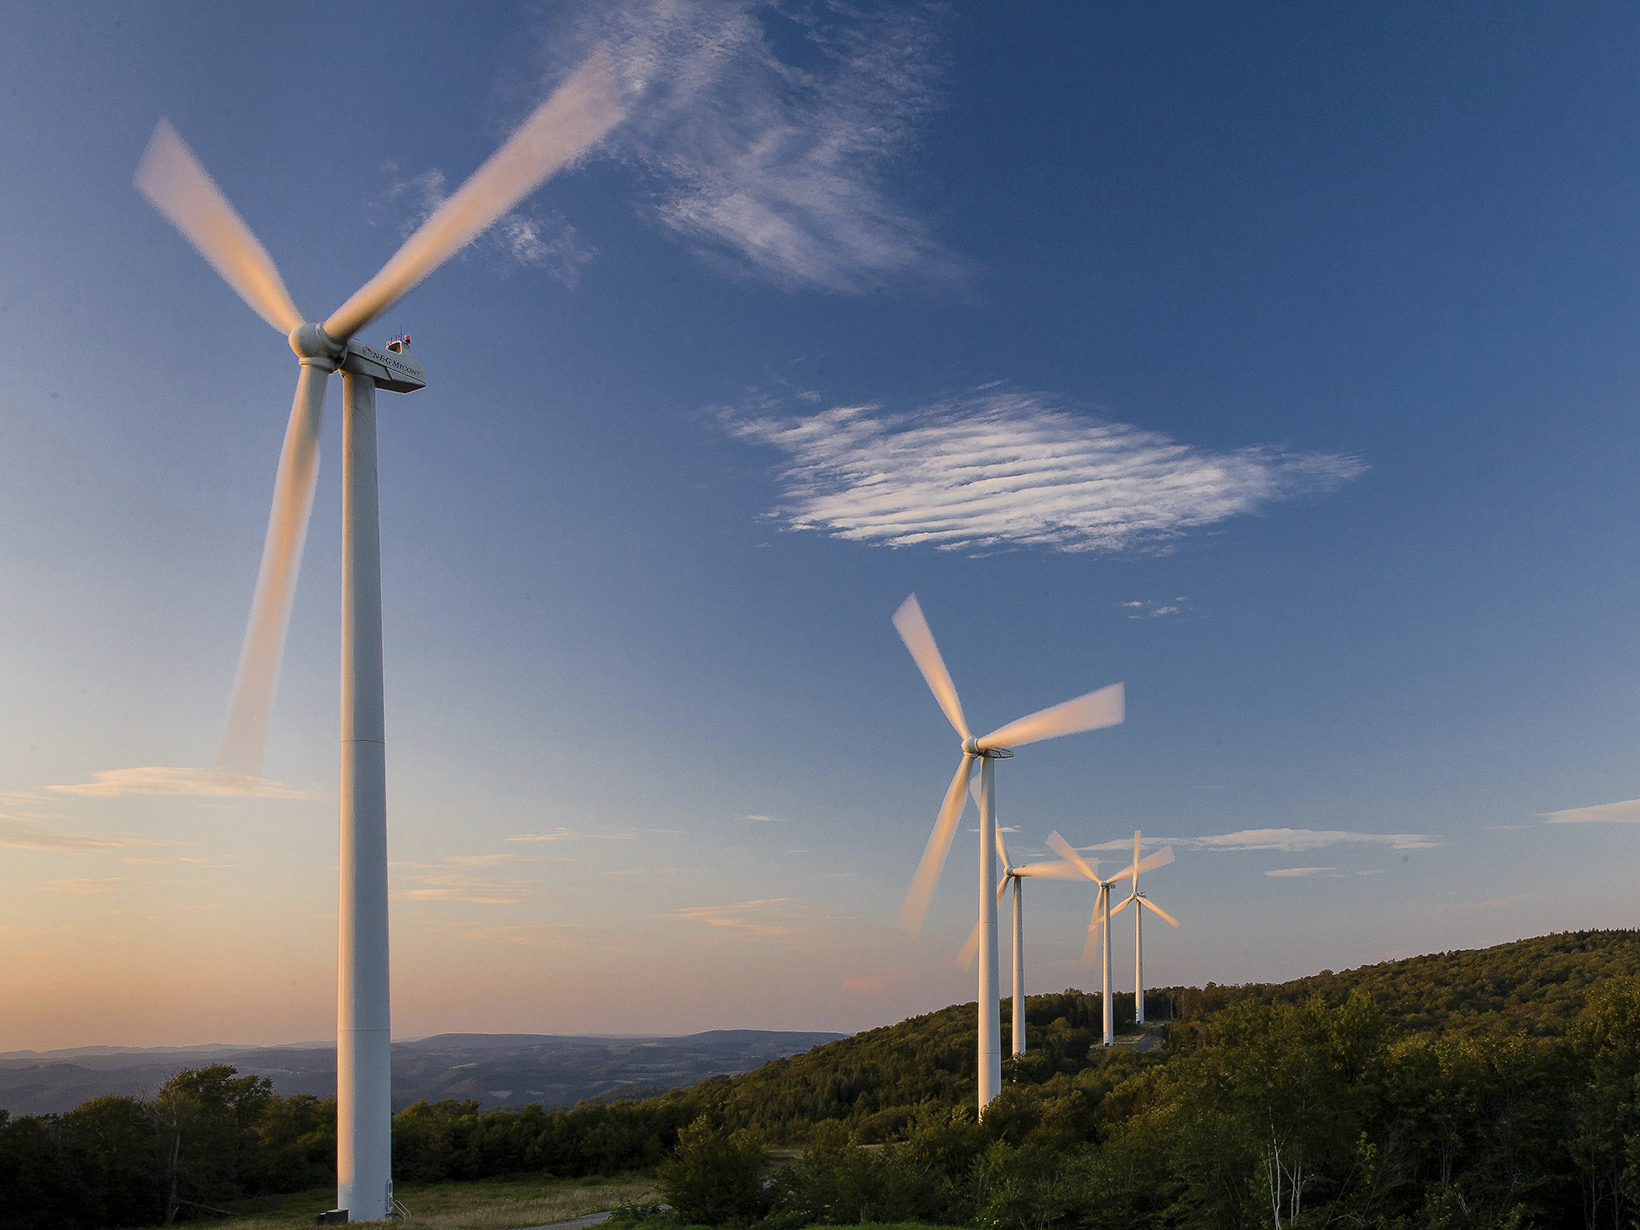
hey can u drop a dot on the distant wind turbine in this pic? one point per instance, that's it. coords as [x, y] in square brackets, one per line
[1089, 712]
[560, 130]
[1102, 914]
[1140, 904]
[1017, 876]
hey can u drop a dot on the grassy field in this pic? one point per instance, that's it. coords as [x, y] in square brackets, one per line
[484, 1204]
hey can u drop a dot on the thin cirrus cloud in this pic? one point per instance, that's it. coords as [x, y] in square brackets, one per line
[526, 238]
[1141, 608]
[1288, 841]
[1013, 469]
[768, 916]
[1282, 873]
[183, 783]
[558, 834]
[1626, 812]
[466, 878]
[766, 131]
[28, 833]
[101, 884]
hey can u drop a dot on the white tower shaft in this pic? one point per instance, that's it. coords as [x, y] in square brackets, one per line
[1104, 921]
[1019, 967]
[990, 1006]
[364, 1110]
[1138, 961]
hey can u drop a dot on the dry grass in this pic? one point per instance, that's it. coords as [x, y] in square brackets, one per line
[501, 1204]
[450, 1209]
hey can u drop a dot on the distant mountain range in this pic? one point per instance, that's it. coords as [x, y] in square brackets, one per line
[499, 1070]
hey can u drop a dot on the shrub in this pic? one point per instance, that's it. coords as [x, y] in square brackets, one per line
[715, 1178]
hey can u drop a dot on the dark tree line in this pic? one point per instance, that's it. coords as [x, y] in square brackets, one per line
[207, 1136]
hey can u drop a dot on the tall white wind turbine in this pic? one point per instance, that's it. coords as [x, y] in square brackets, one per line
[1100, 926]
[574, 118]
[1089, 712]
[1140, 904]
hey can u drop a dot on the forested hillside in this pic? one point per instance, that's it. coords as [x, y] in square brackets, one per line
[1467, 1089]
[1536, 986]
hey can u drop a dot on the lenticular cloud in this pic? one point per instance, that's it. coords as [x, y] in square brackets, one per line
[1004, 469]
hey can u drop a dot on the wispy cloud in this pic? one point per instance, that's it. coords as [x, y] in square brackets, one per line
[1151, 608]
[1626, 812]
[766, 129]
[27, 833]
[557, 834]
[997, 469]
[466, 878]
[184, 782]
[1293, 872]
[765, 819]
[560, 936]
[1290, 840]
[1286, 840]
[655, 871]
[768, 916]
[101, 884]
[526, 238]
[207, 863]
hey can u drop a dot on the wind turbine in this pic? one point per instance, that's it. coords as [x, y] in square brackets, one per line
[575, 117]
[1102, 913]
[1089, 712]
[1141, 903]
[1017, 877]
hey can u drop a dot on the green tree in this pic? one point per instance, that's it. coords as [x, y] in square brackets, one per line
[715, 1177]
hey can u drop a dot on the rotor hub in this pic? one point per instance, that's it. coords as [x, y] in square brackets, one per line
[315, 347]
[970, 746]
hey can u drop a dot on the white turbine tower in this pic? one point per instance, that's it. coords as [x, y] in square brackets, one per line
[1102, 914]
[1140, 904]
[1089, 712]
[1017, 877]
[574, 118]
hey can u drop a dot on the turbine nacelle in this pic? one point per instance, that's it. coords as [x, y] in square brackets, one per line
[971, 747]
[394, 370]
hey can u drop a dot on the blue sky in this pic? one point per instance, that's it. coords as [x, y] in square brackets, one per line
[1280, 367]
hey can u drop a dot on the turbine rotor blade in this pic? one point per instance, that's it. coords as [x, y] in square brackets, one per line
[934, 854]
[1066, 851]
[175, 184]
[258, 676]
[1106, 707]
[970, 949]
[1002, 888]
[914, 631]
[1090, 950]
[1051, 871]
[1157, 910]
[1150, 862]
[1126, 901]
[577, 116]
